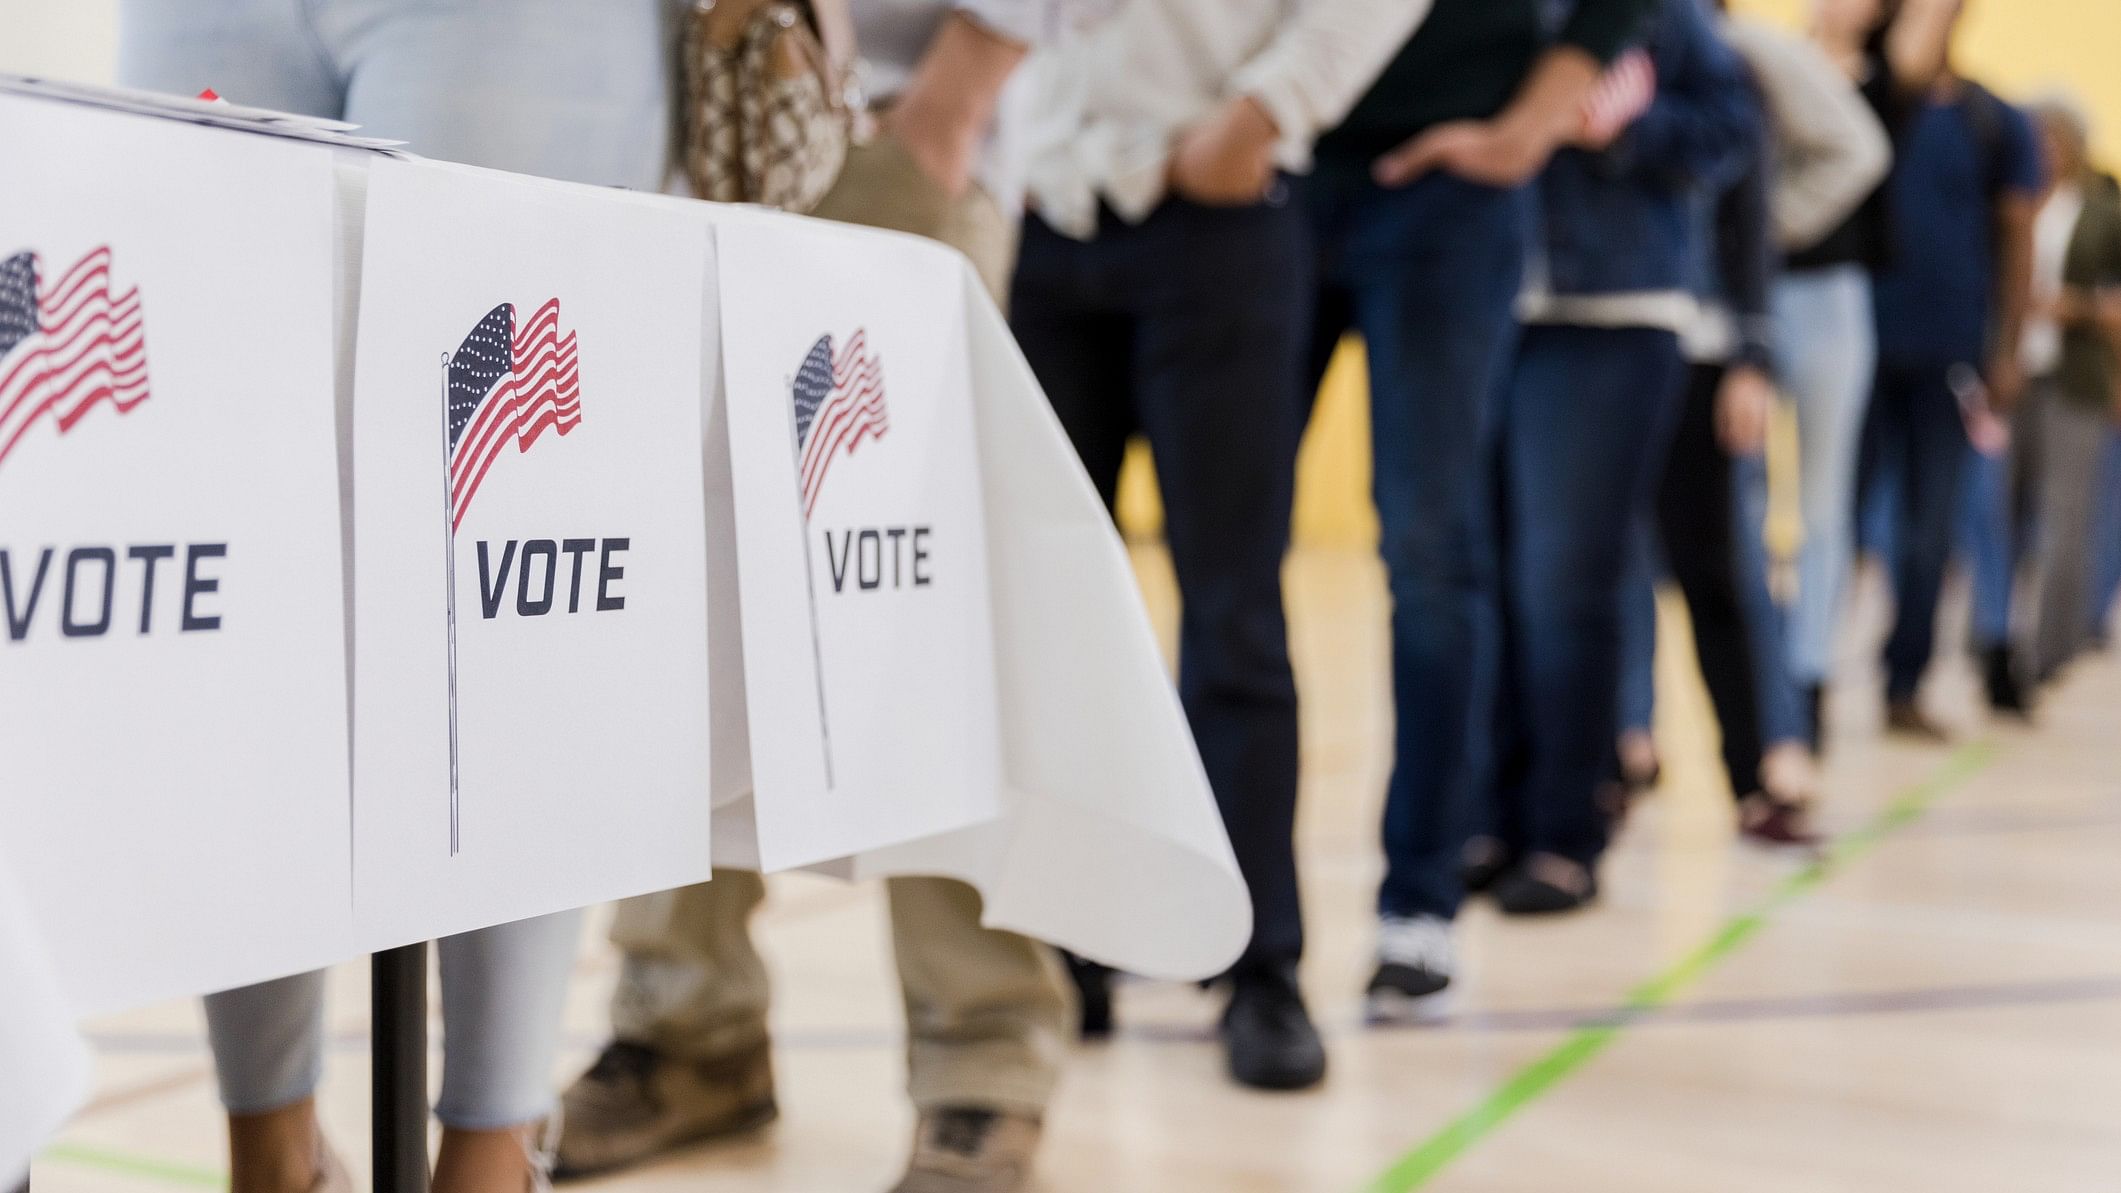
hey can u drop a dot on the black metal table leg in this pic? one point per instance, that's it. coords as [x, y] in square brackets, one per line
[398, 1048]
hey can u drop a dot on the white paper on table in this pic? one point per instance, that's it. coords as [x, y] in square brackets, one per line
[44, 1060]
[581, 726]
[868, 656]
[1111, 845]
[176, 799]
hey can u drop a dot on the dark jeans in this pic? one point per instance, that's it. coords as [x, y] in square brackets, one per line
[1586, 421]
[1428, 274]
[1189, 328]
[1699, 523]
[1917, 437]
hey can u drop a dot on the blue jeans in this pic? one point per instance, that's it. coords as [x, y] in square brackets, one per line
[1826, 343]
[1916, 442]
[1187, 328]
[548, 87]
[1428, 274]
[1996, 530]
[1585, 425]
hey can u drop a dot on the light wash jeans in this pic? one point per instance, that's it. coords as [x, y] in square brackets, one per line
[561, 88]
[1827, 347]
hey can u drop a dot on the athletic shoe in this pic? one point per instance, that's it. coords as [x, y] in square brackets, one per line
[1905, 718]
[1415, 964]
[970, 1149]
[637, 1102]
[1269, 1040]
[1545, 884]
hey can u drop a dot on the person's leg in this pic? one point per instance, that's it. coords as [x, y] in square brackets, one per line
[263, 53]
[268, 1046]
[1936, 450]
[1078, 339]
[1826, 345]
[1694, 513]
[1636, 766]
[1589, 410]
[1078, 342]
[2106, 541]
[1217, 359]
[2073, 433]
[1434, 271]
[554, 88]
[988, 1013]
[1986, 530]
[503, 991]
[689, 1057]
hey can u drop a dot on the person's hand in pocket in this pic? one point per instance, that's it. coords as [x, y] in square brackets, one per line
[1227, 159]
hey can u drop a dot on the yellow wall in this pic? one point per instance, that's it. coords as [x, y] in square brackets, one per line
[2017, 46]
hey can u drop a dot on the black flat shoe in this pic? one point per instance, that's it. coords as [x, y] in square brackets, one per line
[1544, 884]
[1268, 1037]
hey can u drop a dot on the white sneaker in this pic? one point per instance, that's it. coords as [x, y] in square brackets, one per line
[1415, 963]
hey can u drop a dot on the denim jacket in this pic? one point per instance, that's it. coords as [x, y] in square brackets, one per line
[1621, 220]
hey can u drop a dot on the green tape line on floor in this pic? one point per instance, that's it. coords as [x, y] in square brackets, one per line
[1432, 1155]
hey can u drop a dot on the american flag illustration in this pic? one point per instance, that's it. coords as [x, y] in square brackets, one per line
[1620, 97]
[839, 401]
[66, 347]
[507, 386]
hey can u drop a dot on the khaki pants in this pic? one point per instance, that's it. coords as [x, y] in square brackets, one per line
[988, 1014]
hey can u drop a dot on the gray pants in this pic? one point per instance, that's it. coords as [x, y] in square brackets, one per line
[2071, 430]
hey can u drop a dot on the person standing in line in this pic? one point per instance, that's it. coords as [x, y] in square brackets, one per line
[540, 87]
[1586, 418]
[1824, 154]
[1421, 218]
[1825, 334]
[1951, 306]
[1161, 260]
[2073, 397]
[988, 1013]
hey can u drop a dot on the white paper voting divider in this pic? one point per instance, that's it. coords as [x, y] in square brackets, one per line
[44, 1064]
[531, 699]
[1110, 844]
[868, 659]
[172, 662]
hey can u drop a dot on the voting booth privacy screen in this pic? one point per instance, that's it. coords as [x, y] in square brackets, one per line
[390, 549]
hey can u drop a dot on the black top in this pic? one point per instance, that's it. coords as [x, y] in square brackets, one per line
[1467, 60]
[1866, 237]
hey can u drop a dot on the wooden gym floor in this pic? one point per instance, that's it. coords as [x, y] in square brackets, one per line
[1938, 1011]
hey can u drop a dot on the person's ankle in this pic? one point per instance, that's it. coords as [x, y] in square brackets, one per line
[277, 1151]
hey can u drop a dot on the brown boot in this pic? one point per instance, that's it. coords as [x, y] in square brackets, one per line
[636, 1103]
[970, 1149]
[1905, 718]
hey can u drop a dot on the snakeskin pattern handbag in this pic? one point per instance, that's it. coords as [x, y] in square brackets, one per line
[770, 101]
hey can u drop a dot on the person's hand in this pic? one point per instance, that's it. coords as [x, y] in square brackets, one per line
[1490, 152]
[942, 140]
[1227, 159]
[1743, 405]
[2005, 378]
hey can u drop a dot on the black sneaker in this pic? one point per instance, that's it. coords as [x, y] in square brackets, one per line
[1268, 1036]
[1545, 884]
[1415, 964]
[1093, 990]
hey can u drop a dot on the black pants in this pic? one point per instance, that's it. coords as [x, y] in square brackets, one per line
[1191, 329]
[1697, 519]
